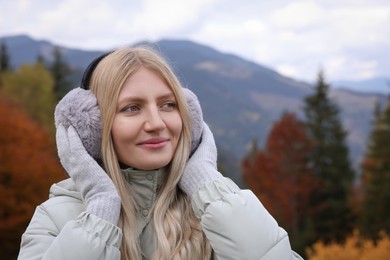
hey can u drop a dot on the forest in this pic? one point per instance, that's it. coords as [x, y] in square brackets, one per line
[302, 175]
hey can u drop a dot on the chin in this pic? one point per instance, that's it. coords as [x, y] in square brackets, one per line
[147, 162]
[149, 166]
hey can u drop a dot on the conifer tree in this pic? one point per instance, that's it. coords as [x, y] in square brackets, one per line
[60, 72]
[4, 58]
[330, 162]
[376, 177]
[40, 59]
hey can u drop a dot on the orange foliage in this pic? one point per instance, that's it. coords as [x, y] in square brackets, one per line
[28, 166]
[280, 175]
[355, 247]
[281, 178]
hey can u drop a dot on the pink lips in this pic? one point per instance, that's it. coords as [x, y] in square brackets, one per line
[154, 143]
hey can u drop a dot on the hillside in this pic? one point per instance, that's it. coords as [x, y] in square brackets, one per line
[240, 99]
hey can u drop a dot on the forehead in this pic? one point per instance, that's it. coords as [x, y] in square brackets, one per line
[143, 82]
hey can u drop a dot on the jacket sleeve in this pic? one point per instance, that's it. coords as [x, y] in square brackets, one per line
[86, 237]
[237, 224]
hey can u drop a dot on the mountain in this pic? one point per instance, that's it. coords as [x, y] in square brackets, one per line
[24, 49]
[240, 99]
[378, 85]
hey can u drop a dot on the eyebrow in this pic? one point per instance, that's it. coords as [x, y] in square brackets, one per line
[137, 99]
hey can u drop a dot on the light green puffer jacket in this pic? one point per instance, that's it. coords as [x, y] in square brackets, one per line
[235, 222]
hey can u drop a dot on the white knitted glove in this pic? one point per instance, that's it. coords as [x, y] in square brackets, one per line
[98, 190]
[201, 168]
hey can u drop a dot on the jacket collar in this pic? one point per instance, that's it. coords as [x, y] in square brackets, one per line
[144, 183]
[145, 186]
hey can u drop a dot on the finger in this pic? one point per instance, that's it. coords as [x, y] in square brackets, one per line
[62, 141]
[208, 142]
[207, 135]
[75, 142]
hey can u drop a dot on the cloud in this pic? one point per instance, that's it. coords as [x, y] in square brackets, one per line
[70, 23]
[298, 16]
[360, 69]
[304, 36]
[97, 24]
[169, 17]
[287, 70]
[349, 39]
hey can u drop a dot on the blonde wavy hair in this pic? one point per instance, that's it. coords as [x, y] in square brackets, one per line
[178, 231]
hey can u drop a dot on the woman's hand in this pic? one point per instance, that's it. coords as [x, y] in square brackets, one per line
[97, 188]
[201, 168]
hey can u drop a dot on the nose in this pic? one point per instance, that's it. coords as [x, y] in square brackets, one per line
[154, 121]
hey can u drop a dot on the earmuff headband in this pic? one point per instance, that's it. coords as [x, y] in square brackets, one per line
[85, 80]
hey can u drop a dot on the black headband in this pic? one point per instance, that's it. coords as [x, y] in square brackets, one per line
[89, 70]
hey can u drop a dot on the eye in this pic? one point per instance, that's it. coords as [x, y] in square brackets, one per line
[131, 109]
[169, 106]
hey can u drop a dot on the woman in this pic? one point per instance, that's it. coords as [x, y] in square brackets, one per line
[140, 195]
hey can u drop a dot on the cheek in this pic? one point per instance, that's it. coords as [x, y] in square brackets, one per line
[122, 134]
[176, 128]
[116, 135]
[176, 124]
[116, 131]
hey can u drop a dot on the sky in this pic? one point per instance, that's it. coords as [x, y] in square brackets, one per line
[347, 39]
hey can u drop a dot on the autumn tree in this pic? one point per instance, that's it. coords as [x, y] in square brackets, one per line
[355, 247]
[331, 165]
[28, 166]
[31, 86]
[280, 176]
[376, 178]
[60, 70]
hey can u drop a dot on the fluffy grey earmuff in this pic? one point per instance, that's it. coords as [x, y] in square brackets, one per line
[196, 118]
[79, 108]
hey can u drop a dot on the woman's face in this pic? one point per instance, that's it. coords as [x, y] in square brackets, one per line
[147, 123]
